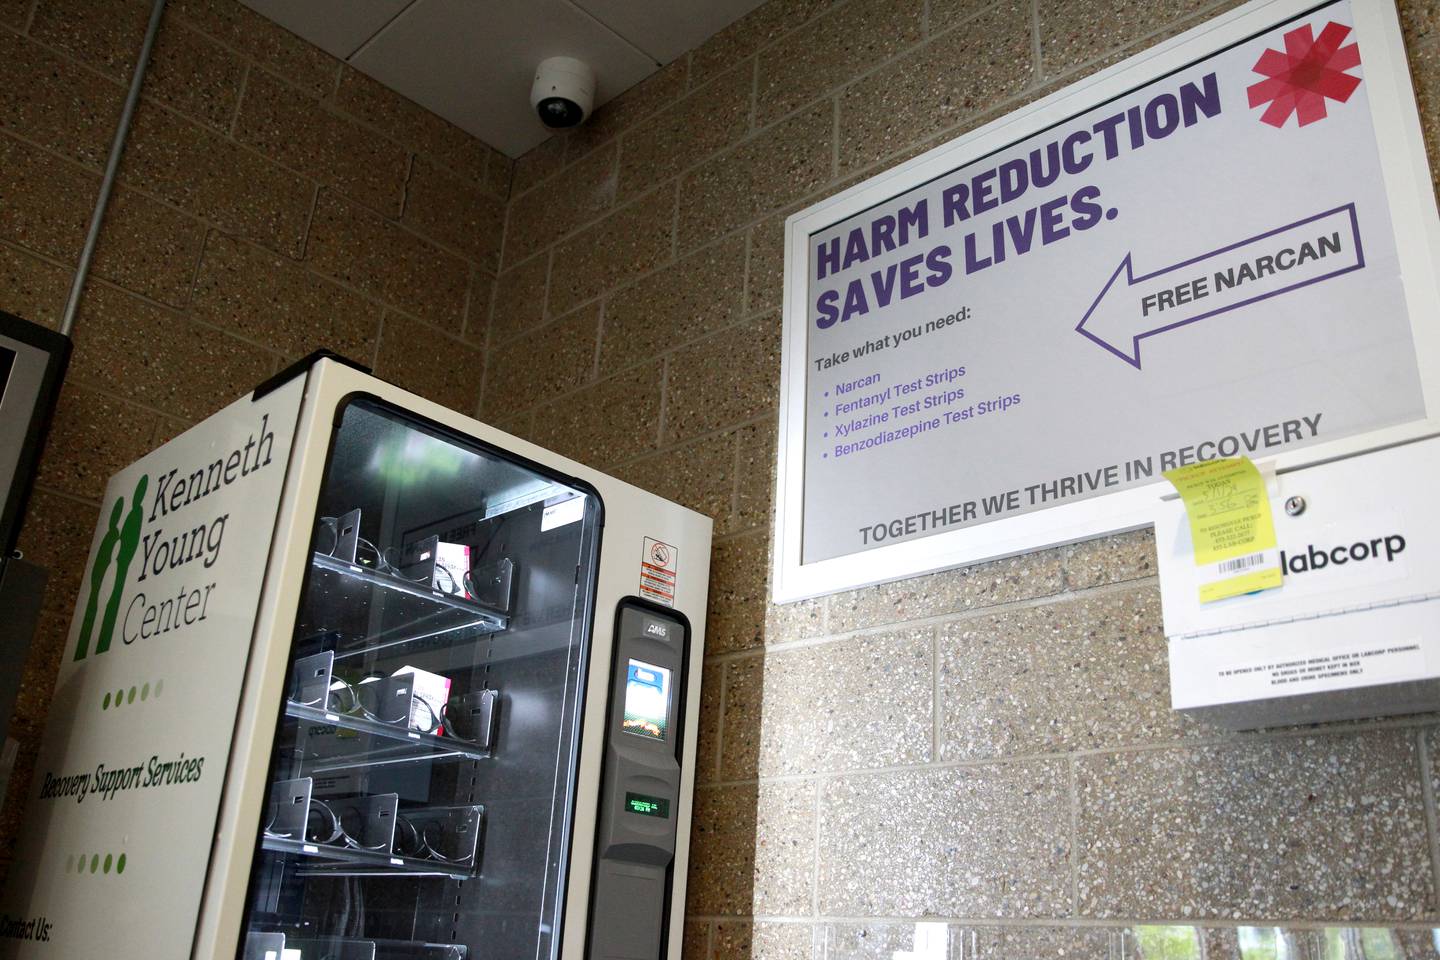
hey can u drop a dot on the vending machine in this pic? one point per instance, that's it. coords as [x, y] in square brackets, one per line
[352, 675]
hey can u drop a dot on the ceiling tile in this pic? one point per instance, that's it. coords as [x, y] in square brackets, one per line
[472, 63]
[338, 27]
[667, 30]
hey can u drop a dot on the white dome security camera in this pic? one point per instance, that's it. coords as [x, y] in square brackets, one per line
[563, 92]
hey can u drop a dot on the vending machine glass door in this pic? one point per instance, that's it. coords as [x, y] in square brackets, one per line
[423, 770]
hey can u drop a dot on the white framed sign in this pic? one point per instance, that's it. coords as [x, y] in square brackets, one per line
[1226, 245]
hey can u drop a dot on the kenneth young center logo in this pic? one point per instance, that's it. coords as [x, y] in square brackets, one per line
[118, 546]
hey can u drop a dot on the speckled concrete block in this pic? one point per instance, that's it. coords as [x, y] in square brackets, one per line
[1073, 675]
[764, 940]
[499, 173]
[957, 75]
[451, 211]
[712, 696]
[848, 705]
[518, 379]
[14, 13]
[985, 841]
[845, 41]
[630, 241]
[32, 288]
[696, 942]
[575, 196]
[698, 295]
[56, 104]
[477, 307]
[1320, 827]
[148, 247]
[651, 95]
[709, 119]
[952, 591]
[92, 436]
[756, 489]
[279, 50]
[423, 359]
[357, 246]
[765, 284]
[210, 176]
[413, 126]
[293, 128]
[945, 14]
[730, 377]
[540, 162]
[761, 26]
[699, 475]
[519, 299]
[735, 615]
[1112, 559]
[188, 70]
[158, 357]
[752, 850]
[797, 620]
[605, 424]
[1074, 31]
[48, 201]
[780, 164]
[274, 302]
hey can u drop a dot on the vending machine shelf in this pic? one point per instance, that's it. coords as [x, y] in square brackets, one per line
[368, 610]
[272, 946]
[401, 744]
[333, 861]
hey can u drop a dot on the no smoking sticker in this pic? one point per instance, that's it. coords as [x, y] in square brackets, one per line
[658, 564]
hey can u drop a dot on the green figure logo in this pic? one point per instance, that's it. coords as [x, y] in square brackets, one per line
[126, 536]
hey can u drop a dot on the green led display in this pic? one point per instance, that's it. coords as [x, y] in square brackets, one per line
[647, 806]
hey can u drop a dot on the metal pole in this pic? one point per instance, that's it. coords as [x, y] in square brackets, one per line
[117, 149]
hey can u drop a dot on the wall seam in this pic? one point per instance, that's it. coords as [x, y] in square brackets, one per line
[379, 338]
[405, 186]
[1073, 790]
[1427, 792]
[1115, 924]
[724, 681]
[952, 616]
[309, 225]
[195, 270]
[936, 693]
[664, 399]
[1332, 731]
[1036, 50]
[239, 101]
[815, 868]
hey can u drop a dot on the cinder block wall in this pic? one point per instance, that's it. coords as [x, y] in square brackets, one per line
[271, 201]
[987, 751]
[991, 749]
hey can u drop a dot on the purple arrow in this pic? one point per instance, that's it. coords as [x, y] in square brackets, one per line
[1277, 261]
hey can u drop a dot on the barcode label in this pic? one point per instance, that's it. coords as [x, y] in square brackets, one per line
[1237, 564]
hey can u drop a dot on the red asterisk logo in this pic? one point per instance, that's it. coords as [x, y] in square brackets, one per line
[1299, 80]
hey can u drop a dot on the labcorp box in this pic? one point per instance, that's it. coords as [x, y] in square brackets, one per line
[1355, 629]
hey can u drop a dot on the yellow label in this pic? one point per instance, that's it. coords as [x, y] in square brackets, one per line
[1230, 525]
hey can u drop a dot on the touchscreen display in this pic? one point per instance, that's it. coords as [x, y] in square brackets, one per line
[647, 700]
